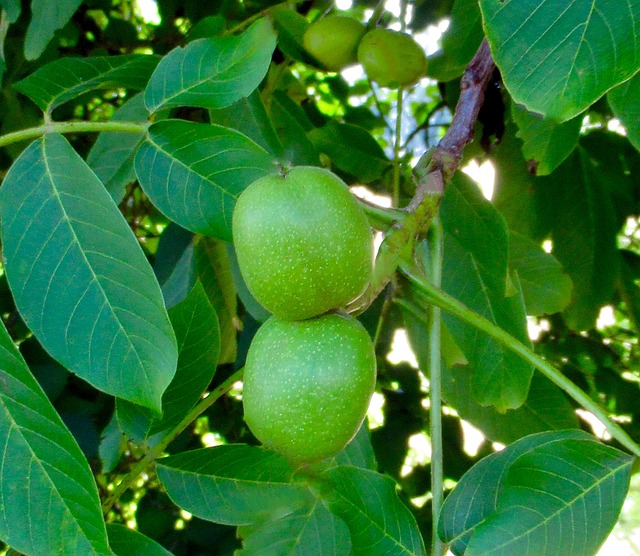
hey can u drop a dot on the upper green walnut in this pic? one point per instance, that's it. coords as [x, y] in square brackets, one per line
[333, 41]
[303, 242]
[391, 58]
[307, 385]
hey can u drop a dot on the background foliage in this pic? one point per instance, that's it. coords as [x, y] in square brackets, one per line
[126, 138]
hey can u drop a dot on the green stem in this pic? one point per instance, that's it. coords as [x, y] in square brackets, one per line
[397, 145]
[157, 450]
[382, 218]
[435, 388]
[454, 307]
[71, 127]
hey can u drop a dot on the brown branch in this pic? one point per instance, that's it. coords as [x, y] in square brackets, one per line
[433, 172]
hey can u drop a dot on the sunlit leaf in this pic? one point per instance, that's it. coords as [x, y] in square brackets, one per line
[213, 72]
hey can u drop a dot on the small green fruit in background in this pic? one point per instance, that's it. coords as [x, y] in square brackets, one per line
[303, 242]
[391, 58]
[307, 385]
[333, 41]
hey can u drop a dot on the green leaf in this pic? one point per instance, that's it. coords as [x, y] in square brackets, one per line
[475, 497]
[12, 9]
[309, 530]
[127, 542]
[249, 116]
[474, 271]
[50, 500]
[557, 58]
[547, 143]
[515, 188]
[459, 43]
[214, 72]
[368, 503]
[111, 156]
[359, 452]
[257, 311]
[291, 125]
[546, 408]
[559, 498]
[197, 331]
[624, 101]
[47, 16]
[213, 269]
[583, 233]
[79, 277]
[545, 286]
[112, 446]
[67, 78]
[232, 484]
[291, 27]
[351, 149]
[195, 172]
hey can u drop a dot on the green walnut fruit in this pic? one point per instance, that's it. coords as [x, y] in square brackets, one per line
[333, 41]
[303, 242]
[307, 385]
[391, 58]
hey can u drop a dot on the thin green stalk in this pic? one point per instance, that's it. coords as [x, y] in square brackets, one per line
[397, 145]
[435, 388]
[157, 450]
[71, 127]
[454, 307]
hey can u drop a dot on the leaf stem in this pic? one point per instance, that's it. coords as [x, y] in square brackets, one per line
[443, 300]
[435, 388]
[397, 145]
[157, 450]
[71, 127]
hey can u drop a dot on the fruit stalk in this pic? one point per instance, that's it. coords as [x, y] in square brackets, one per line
[433, 172]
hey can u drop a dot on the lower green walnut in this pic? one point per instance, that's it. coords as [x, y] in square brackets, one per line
[307, 385]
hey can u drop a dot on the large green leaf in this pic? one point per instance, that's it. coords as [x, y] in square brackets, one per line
[194, 173]
[351, 149]
[214, 72]
[67, 78]
[197, 331]
[127, 542]
[359, 452]
[111, 156]
[47, 16]
[232, 484]
[310, 530]
[584, 233]
[479, 494]
[556, 58]
[368, 503]
[50, 502]
[624, 101]
[79, 277]
[559, 498]
[545, 286]
[459, 43]
[475, 271]
[547, 143]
